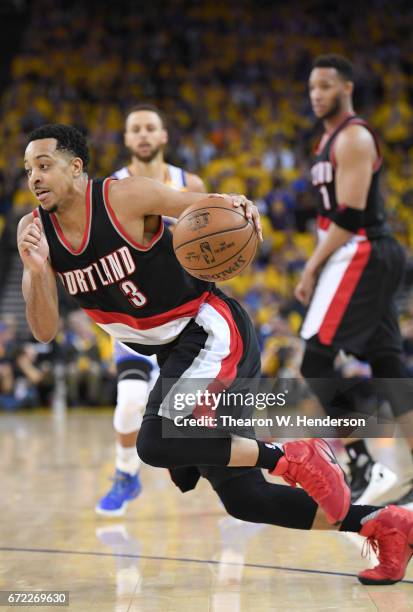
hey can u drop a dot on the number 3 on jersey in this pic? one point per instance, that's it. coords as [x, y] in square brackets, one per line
[135, 297]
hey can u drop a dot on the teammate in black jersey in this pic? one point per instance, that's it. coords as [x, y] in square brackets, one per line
[350, 281]
[106, 242]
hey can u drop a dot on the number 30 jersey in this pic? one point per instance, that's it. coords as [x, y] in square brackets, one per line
[139, 294]
[323, 179]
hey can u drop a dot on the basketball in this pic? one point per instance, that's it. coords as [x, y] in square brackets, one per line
[214, 241]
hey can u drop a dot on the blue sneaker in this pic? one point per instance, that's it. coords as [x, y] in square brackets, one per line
[125, 488]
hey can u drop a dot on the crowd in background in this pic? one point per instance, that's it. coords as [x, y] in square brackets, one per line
[231, 79]
[79, 358]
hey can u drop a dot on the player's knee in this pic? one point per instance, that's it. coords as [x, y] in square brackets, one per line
[309, 365]
[149, 451]
[391, 380]
[130, 405]
[236, 501]
[317, 362]
[151, 447]
[237, 511]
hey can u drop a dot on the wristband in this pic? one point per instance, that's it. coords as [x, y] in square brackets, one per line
[350, 219]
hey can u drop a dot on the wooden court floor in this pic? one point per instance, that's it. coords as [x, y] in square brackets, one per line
[171, 552]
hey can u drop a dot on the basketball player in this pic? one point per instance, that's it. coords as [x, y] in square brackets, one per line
[145, 138]
[106, 242]
[350, 281]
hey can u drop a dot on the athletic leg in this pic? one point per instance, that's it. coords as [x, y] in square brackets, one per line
[136, 375]
[369, 479]
[249, 497]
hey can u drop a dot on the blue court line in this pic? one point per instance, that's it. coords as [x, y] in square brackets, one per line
[181, 560]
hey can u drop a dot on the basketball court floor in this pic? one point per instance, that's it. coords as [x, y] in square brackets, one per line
[171, 552]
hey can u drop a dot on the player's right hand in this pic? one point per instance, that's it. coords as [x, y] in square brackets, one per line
[305, 288]
[33, 247]
[250, 210]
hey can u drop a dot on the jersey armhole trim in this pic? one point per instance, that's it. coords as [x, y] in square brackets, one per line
[118, 227]
[356, 121]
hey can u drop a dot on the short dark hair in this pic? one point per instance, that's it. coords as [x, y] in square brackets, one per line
[148, 107]
[343, 66]
[68, 138]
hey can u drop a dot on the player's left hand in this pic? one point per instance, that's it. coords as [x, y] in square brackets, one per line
[250, 210]
[305, 288]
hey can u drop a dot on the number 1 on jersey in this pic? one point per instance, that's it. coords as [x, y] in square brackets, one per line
[325, 196]
[135, 297]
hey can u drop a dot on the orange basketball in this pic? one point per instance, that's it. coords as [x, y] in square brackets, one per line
[213, 240]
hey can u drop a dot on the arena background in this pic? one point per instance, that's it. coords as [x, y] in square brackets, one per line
[231, 78]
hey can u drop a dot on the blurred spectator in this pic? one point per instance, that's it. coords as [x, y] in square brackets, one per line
[82, 359]
[7, 381]
[33, 377]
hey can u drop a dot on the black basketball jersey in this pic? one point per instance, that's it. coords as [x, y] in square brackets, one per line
[139, 294]
[323, 179]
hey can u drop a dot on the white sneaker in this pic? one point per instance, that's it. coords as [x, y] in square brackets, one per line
[406, 500]
[380, 481]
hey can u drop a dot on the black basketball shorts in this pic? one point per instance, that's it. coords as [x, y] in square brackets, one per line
[353, 306]
[219, 346]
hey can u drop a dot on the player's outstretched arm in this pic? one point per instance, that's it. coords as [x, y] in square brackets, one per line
[195, 183]
[39, 283]
[144, 196]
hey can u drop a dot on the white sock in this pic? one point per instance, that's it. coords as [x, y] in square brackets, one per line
[127, 459]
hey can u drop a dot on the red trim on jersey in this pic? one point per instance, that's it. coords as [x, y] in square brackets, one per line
[345, 290]
[329, 133]
[331, 155]
[189, 309]
[357, 121]
[86, 233]
[121, 230]
[323, 223]
[335, 131]
[229, 364]
[35, 213]
[379, 159]
[321, 144]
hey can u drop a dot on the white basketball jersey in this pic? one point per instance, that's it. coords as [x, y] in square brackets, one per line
[176, 176]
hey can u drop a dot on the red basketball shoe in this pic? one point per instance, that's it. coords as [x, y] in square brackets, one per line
[313, 465]
[390, 534]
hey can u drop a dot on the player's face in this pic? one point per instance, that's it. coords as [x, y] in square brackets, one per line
[50, 173]
[145, 136]
[328, 92]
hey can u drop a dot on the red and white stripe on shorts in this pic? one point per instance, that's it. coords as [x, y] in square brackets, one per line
[215, 366]
[336, 285]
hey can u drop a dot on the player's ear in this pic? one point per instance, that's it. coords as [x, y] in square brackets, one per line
[77, 167]
[164, 136]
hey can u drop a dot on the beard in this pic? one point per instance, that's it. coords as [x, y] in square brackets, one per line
[148, 157]
[334, 110]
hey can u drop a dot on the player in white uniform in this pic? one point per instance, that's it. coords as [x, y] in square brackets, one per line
[145, 137]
